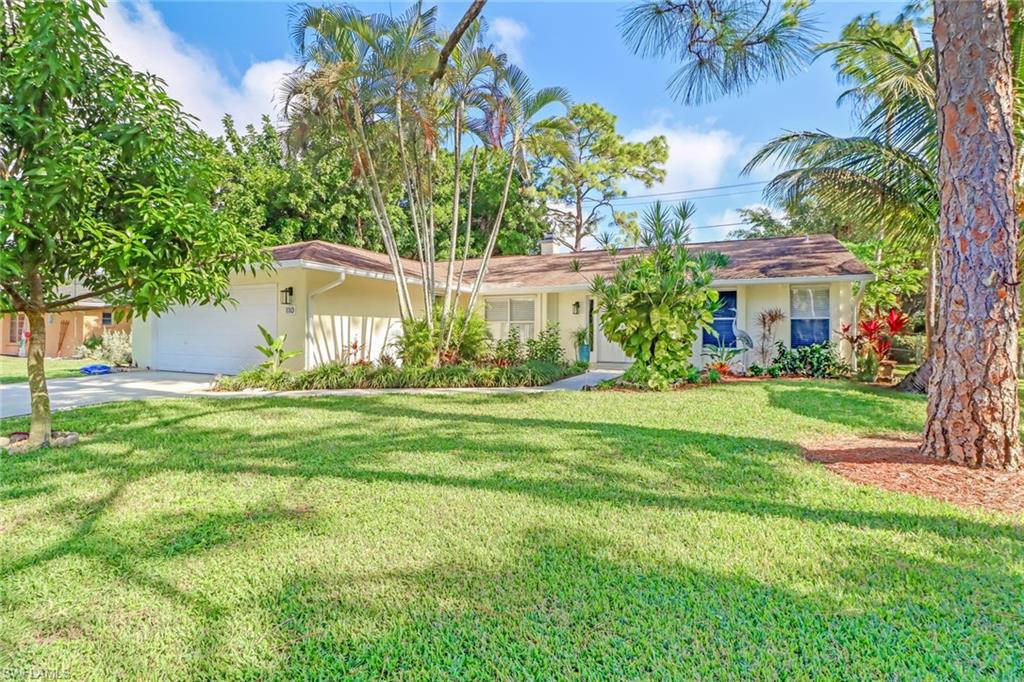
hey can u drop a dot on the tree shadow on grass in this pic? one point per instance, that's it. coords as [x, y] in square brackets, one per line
[566, 606]
[882, 410]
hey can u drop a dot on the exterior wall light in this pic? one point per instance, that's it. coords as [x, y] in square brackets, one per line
[286, 295]
[576, 308]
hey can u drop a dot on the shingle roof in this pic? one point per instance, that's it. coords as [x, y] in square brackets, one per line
[749, 259]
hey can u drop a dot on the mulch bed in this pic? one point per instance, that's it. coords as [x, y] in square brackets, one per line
[893, 463]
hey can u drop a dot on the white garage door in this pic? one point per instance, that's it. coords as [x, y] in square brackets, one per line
[211, 339]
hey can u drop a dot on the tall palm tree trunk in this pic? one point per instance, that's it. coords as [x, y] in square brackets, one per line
[973, 407]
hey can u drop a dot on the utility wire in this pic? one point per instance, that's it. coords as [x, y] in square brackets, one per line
[685, 191]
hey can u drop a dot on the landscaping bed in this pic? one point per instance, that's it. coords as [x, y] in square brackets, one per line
[335, 376]
[893, 463]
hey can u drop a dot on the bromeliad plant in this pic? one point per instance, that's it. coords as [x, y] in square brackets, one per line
[721, 357]
[660, 297]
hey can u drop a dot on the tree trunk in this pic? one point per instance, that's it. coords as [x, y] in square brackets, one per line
[973, 408]
[39, 431]
[917, 380]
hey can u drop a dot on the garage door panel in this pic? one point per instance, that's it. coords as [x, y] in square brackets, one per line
[212, 339]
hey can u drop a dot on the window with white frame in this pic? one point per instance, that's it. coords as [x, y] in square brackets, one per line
[809, 315]
[16, 329]
[503, 314]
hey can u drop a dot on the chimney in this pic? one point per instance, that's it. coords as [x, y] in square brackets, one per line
[547, 244]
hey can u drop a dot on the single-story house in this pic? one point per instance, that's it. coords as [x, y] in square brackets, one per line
[339, 303]
[65, 331]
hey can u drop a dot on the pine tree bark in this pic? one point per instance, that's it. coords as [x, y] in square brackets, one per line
[973, 407]
[41, 420]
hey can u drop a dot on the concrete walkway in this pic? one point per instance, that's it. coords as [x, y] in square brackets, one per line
[69, 393]
[74, 392]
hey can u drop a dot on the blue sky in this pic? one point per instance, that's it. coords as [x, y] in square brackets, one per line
[227, 56]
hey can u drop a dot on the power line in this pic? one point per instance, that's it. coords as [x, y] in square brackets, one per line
[686, 191]
[704, 196]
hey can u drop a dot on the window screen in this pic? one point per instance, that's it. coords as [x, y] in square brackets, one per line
[809, 316]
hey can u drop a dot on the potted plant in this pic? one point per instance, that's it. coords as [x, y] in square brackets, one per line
[581, 339]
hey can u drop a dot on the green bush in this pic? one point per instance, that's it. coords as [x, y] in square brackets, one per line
[509, 351]
[112, 348]
[341, 376]
[755, 370]
[658, 300]
[547, 346]
[714, 376]
[774, 371]
[421, 346]
[818, 360]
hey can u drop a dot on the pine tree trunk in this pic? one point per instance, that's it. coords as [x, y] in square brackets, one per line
[973, 408]
[39, 430]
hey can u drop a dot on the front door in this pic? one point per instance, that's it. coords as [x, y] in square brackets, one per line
[605, 351]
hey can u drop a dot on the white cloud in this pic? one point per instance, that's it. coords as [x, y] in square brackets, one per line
[508, 37]
[139, 35]
[697, 157]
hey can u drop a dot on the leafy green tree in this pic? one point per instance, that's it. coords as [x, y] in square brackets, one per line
[103, 182]
[900, 274]
[583, 170]
[659, 298]
[806, 215]
[295, 195]
[525, 222]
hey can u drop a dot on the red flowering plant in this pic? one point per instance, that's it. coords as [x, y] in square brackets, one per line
[876, 334]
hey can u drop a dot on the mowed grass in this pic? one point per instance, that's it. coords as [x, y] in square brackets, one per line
[545, 536]
[13, 369]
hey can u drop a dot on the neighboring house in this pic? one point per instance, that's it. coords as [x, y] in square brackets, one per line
[338, 302]
[64, 331]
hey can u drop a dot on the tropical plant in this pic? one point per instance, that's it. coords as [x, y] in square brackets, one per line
[875, 334]
[581, 181]
[767, 321]
[104, 182]
[818, 360]
[274, 351]
[721, 356]
[659, 297]
[547, 346]
[383, 87]
[422, 345]
[508, 352]
[582, 337]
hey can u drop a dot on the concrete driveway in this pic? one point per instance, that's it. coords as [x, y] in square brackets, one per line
[107, 388]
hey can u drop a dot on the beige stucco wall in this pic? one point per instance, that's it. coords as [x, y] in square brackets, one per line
[291, 320]
[751, 300]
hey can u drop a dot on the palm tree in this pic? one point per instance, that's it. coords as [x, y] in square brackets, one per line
[374, 82]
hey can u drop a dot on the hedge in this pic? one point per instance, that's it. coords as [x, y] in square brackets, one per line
[341, 376]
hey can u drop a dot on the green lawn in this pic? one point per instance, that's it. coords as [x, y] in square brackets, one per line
[13, 370]
[562, 535]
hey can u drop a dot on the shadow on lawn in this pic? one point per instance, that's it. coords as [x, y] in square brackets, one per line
[564, 603]
[565, 606]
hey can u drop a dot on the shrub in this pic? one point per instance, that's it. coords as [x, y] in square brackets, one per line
[508, 351]
[774, 371]
[657, 300]
[547, 346]
[867, 368]
[755, 370]
[818, 360]
[112, 348]
[693, 376]
[415, 347]
[338, 375]
[714, 376]
[420, 345]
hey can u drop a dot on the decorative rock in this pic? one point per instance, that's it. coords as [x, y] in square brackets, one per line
[18, 436]
[20, 447]
[70, 439]
[4, 442]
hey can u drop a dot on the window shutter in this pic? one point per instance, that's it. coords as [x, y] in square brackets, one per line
[496, 309]
[522, 310]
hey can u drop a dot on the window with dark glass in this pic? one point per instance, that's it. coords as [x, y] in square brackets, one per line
[809, 316]
[725, 322]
